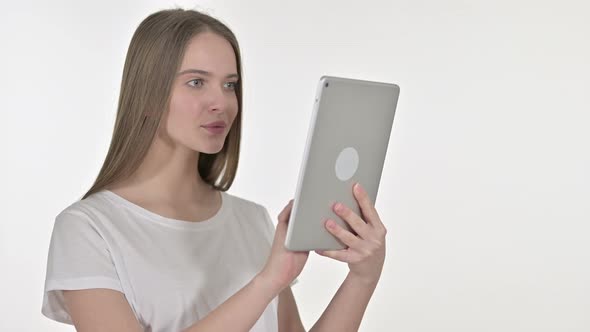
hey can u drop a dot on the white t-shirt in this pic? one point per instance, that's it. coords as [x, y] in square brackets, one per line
[172, 272]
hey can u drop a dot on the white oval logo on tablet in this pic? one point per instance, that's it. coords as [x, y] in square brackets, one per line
[347, 163]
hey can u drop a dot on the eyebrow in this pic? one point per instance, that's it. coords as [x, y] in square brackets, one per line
[204, 73]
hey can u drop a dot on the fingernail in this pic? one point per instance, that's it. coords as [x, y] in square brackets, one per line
[357, 188]
[330, 223]
[338, 207]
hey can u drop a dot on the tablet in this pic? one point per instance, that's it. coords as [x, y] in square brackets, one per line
[346, 143]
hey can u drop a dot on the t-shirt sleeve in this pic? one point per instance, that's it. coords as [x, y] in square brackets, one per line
[270, 232]
[78, 258]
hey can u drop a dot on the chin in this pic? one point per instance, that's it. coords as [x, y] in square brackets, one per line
[211, 149]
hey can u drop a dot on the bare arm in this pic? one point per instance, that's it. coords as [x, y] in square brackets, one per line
[89, 308]
[346, 310]
[289, 320]
[365, 256]
[344, 313]
[241, 311]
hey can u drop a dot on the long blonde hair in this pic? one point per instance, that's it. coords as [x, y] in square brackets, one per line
[153, 58]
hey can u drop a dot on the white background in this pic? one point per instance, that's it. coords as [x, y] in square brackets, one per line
[485, 190]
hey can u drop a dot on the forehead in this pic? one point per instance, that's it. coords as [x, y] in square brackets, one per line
[211, 52]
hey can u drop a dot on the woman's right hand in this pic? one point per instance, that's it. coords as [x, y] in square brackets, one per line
[282, 265]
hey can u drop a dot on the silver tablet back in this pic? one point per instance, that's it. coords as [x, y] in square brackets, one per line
[346, 143]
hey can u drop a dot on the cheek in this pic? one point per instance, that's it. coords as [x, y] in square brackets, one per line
[183, 115]
[233, 110]
[183, 108]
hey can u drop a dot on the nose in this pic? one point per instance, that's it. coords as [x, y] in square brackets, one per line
[218, 99]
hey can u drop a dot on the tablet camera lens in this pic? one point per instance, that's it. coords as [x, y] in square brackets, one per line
[326, 85]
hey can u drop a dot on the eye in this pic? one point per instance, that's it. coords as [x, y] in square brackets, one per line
[196, 81]
[232, 85]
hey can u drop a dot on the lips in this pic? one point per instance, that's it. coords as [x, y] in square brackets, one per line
[216, 124]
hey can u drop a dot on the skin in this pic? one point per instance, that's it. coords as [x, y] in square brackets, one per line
[166, 184]
[166, 181]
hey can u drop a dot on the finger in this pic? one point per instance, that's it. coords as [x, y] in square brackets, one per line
[339, 255]
[357, 224]
[367, 208]
[284, 215]
[349, 239]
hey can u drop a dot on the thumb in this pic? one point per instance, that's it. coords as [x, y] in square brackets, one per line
[284, 215]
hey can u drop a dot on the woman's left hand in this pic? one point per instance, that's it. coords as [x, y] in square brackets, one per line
[365, 254]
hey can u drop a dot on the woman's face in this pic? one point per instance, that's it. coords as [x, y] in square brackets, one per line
[203, 103]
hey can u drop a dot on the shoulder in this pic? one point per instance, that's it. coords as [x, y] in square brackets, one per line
[252, 214]
[250, 210]
[243, 204]
[87, 211]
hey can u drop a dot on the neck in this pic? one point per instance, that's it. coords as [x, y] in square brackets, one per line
[169, 175]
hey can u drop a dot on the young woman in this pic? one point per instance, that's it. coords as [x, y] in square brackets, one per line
[157, 244]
